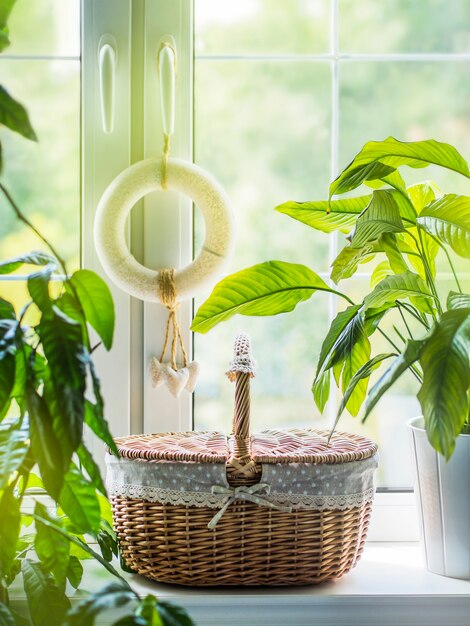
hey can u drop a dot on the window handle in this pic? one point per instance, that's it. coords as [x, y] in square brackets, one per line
[167, 74]
[107, 60]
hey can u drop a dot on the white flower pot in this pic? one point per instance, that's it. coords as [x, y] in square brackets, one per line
[443, 500]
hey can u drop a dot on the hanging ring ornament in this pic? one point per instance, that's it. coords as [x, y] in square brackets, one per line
[132, 185]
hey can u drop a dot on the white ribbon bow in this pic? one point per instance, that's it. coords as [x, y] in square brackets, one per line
[244, 493]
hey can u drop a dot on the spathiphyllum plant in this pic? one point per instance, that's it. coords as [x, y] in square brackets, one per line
[406, 227]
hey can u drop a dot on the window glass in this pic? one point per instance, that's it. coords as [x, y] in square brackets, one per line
[262, 26]
[45, 27]
[43, 177]
[381, 26]
[264, 133]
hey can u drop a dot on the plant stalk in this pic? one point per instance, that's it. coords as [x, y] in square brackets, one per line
[22, 217]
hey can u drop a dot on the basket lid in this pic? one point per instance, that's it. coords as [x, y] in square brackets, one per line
[203, 447]
[269, 446]
[309, 446]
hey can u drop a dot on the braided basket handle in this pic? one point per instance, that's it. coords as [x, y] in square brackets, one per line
[240, 467]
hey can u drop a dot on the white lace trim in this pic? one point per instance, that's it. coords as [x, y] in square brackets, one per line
[213, 501]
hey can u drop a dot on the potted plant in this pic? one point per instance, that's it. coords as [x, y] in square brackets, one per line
[405, 228]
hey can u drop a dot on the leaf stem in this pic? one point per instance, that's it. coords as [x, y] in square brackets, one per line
[84, 546]
[412, 368]
[404, 320]
[449, 260]
[22, 217]
[400, 335]
[427, 269]
[412, 311]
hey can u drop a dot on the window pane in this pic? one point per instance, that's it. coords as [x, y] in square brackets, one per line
[44, 177]
[404, 26]
[43, 27]
[264, 133]
[262, 26]
[411, 101]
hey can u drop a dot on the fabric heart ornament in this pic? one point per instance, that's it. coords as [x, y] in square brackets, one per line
[175, 380]
[156, 373]
[193, 369]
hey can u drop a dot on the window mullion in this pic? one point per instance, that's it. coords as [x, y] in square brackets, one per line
[104, 156]
[167, 232]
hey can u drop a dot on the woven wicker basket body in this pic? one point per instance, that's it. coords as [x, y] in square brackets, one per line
[249, 542]
[250, 546]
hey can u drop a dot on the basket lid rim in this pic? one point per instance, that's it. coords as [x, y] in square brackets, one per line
[293, 445]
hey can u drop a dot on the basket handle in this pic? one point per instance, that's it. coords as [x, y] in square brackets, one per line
[241, 370]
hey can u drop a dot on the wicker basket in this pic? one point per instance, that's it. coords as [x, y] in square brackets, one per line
[204, 509]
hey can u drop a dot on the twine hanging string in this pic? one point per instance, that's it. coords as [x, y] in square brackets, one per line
[166, 284]
[167, 291]
[165, 156]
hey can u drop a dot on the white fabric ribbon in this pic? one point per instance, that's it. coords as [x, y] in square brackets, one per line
[252, 494]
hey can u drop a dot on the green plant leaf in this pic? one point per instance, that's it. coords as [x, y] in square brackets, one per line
[112, 596]
[74, 571]
[266, 289]
[9, 335]
[446, 378]
[79, 501]
[70, 307]
[173, 615]
[406, 243]
[371, 162]
[410, 355]
[448, 219]
[5, 9]
[91, 468]
[6, 616]
[7, 382]
[14, 445]
[358, 175]
[31, 258]
[47, 449]
[423, 194]
[363, 373]
[7, 310]
[108, 546]
[62, 342]
[382, 215]
[10, 524]
[52, 549]
[95, 420]
[390, 246]
[14, 116]
[399, 286]
[147, 610]
[321, 390]
[38, 287]
[48, 604]
[394, 179]
[342, 326]
[353, 360]
[81, 549]
[380, 271]
[96, 301]
[456, 300]
[324, 216]
[346, 263]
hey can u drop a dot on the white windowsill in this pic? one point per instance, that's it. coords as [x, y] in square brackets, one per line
[389, 586]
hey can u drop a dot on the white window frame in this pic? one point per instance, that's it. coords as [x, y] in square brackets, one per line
[160, 231]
